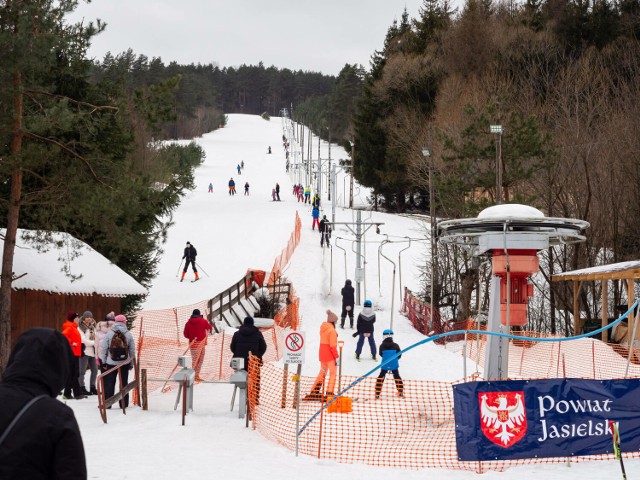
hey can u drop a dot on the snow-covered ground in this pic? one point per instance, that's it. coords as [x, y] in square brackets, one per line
[233, 233]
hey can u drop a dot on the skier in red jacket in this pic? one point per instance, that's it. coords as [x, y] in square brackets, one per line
[195, 331]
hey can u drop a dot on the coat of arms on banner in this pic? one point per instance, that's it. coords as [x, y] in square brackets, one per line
[503, 417]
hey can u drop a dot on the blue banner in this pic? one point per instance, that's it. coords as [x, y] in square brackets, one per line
[512, 419]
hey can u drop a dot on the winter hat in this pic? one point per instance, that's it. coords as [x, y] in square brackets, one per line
[86, 314]
[121, 318]
[196, 313]
[331, 317]
[188, 243]
[110, 317]
[248, 321]
[71, 316]
[367, 303]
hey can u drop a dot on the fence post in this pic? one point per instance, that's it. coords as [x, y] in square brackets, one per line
[285, 378]
[143, 389]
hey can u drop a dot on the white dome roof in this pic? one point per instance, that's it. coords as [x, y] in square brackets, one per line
[511, 210]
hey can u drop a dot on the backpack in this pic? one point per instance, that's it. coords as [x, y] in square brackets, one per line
[118, 348]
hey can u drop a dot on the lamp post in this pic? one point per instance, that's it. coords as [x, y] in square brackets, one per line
[427, 155]
[351, 180]
[497, 130]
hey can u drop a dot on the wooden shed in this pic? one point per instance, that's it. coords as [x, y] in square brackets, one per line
[627, 272]
[60, 275]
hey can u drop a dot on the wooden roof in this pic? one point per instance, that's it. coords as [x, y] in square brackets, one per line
[613, 271]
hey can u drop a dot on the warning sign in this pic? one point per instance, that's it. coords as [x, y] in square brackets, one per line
[294, 348]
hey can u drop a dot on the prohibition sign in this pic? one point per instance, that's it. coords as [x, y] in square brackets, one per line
[294, 342]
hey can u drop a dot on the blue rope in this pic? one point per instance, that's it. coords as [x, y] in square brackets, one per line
[462, 332]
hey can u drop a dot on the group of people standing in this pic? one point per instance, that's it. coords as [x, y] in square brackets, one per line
[328, 354]
[275, 193]
[92, 349]
[302, 193]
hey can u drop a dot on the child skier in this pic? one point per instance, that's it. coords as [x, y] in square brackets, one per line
[364, 329]
[388, 350]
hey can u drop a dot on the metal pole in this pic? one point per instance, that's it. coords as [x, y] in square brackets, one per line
[297, 380]
[499, 169]
[333, 198]
[400, 266]
[434, 247]
[358, 253]
[332, 179]
[351, 180]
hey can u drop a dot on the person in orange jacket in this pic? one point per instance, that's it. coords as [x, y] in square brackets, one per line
[70, 330]
[328, 355]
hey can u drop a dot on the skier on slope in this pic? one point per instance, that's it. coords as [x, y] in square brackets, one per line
[325, 231]
[315, 214]
[388, 350]
[364, 329]
[190, 258]
[347, 303]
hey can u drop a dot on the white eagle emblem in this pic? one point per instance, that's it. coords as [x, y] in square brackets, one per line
[503, 417]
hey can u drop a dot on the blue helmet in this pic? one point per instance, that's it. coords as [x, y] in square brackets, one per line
[367, 303]
[387, 333]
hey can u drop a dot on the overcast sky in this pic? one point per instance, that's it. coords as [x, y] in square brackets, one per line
[313, 35]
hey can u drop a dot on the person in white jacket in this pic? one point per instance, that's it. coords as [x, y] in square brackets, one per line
[87, 329]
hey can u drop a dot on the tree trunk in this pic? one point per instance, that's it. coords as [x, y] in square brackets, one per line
[6, 275]
[468, 281]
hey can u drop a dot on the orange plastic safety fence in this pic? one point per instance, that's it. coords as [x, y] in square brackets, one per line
[160, 340]
[283, 259]
[288, 317]
[419, 314]
[414, 431]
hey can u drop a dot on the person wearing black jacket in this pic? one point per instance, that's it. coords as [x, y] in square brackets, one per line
[325, 231]
[348, 303]
[189, 257]
[45, 442]
[364, 329]
[248, 339]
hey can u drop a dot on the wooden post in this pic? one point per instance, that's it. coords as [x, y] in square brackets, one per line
[577, 324]
[605, 309]
[222, 335]
[175, 314]
[143, 389]
[285, 379]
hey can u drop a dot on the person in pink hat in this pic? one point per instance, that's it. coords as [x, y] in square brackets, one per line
[328, 355]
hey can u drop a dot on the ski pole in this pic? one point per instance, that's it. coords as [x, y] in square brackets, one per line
[203, 270]
[179, 266]
[616, 446]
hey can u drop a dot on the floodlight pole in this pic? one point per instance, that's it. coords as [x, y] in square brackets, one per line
[497, 130]
[427, 154]
[351, 180]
